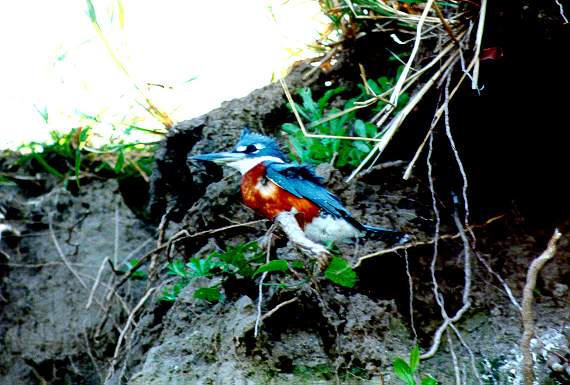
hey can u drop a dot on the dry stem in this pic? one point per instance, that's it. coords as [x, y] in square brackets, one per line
[527, 301]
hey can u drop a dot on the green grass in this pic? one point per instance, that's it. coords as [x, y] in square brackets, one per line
[70, 157]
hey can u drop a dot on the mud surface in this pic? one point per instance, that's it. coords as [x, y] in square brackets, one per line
[48, 267]
[309, 330]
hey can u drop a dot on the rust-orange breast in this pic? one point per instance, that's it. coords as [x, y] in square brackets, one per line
[268, 199]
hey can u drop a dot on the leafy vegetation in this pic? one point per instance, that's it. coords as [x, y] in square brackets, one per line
[236, 260]
[70, 157]
[405, 371]
[333, 121]
[242, 261]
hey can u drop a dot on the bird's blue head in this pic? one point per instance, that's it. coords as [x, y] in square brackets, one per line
[250, 150]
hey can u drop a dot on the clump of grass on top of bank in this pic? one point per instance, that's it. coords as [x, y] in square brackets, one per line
[70, 157]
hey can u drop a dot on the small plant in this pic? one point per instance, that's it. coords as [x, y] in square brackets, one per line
[405, 371]
[240, 260]
[332, 121]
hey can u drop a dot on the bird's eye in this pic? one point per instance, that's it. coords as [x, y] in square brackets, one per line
[251, 148]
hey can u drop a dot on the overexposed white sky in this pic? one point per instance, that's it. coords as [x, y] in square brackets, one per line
[52, 59]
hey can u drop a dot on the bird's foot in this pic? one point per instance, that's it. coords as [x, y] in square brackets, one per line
[291, 227]
[322, 255]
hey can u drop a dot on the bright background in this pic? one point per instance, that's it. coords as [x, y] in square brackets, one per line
[186, 56]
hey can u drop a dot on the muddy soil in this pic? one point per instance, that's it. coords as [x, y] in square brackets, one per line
[49, 264]
[55, 243]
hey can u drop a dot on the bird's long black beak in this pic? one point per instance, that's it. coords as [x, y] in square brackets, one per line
[219, 157]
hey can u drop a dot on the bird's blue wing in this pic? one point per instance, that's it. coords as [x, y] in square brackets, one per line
[302, 182]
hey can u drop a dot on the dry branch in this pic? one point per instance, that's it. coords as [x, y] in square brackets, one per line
[527, 301]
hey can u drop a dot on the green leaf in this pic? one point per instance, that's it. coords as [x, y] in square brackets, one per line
[120, 162]
[290, 128]
[374, 87]
[324, 100]
[340, 272]
[201, 267]
[275, 265]
[360, 128]
[77, 165]
[91, 11]
[309, 104]
[429, 381]
[414, 358]
[177, 268]
[370, 129]
[362, 146]
[45, 165]
[403, 371]
[210, 294]
[296, 264]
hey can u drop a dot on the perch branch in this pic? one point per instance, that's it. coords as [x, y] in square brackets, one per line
[527, 301]
[421, 243]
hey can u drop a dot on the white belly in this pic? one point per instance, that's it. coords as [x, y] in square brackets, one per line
[325, 229]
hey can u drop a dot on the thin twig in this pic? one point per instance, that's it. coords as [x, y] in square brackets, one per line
[437, 116]
[561, 11]
[447, 321]
[406, 246]
[478, 40]
[411, 297]
[445, 24]
[276, 308]
[401, 116]
[61, 254]
[117, 227]
[502, 281]
[92, 357]
[128, 324]
[302, 125]
[453, 358]
[470, 352]
[260, 285]
[456, 153]
[97, 279]
[527, 301]
[404, 74]
[161, 248]
[324, 59]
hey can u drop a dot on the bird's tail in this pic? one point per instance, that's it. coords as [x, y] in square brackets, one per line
[385, 235]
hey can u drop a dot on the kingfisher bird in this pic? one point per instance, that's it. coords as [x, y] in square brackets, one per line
[291, 194]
